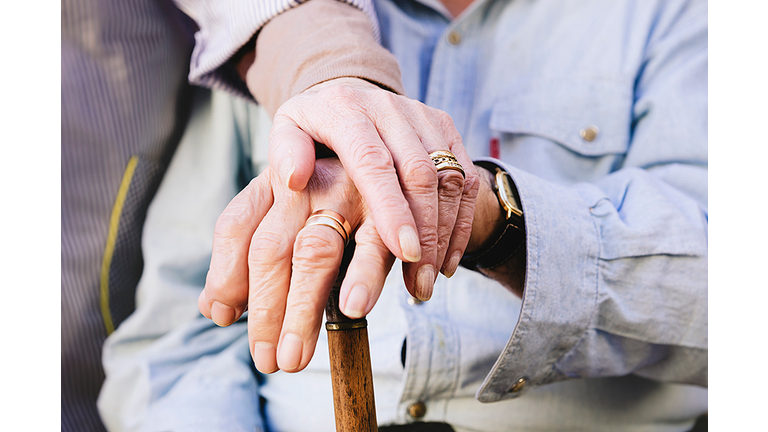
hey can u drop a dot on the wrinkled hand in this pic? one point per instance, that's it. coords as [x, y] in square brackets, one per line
[261, 242]
[266, 258]
[383, 141]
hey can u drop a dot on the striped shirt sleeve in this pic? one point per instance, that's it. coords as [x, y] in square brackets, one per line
[227, 25]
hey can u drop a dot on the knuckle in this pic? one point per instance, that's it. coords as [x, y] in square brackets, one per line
[471, 185]
[239, 214]
[443, 241]
[315, 246]
[448, 127]
[387, 102]
[422, 166]
[225, 230]
[267, 248]
[231, 222]
[445, 121]
[420, 173]
[428, 237]
[451, 184]
[370, 156]
[262, 314]
[304, 306]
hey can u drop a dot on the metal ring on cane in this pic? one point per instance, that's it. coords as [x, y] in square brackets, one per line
[331, 219]
[443, 160]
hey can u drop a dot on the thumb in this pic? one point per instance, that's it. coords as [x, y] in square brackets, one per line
[292, 151]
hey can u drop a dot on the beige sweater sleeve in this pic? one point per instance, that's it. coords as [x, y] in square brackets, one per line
[314, 42]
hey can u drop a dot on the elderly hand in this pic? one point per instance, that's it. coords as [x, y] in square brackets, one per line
[383, 141]
[268, 256]
[261, 241]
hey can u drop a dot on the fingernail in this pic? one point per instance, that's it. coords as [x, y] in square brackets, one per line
[425, 281]
[286, 170]
[357, 301]
[409, 243]
[289, 356]
[202, 305]
[222, 314]
[453, 264]
[264, 357]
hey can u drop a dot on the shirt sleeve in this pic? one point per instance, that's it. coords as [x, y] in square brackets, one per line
[616, 272]
[335, 41]
[225, 26]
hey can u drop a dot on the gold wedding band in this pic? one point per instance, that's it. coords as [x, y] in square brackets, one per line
[331, 219]
[444, 160]
[442, 154]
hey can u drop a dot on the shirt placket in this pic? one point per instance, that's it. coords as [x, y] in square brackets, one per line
[432, 358]
[454, 73]
[433, 353]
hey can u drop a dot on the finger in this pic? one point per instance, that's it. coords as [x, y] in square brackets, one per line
[463, 225]
[367, 271]
[462, 228]
[225, 295]
[291, 150]
[419, 182]
[316, 259]
[456, 193]
[451, 188]
[352, 135]
[269, 260]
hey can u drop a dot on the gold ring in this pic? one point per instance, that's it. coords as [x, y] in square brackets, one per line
[444, 160]
[331, 219]
[442, 154]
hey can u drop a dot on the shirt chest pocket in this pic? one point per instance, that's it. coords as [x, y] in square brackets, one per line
[564, 130]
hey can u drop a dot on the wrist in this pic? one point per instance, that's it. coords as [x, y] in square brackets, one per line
[500, 233]
[489, 221]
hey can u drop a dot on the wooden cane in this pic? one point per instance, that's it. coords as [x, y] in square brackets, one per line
[351, 375]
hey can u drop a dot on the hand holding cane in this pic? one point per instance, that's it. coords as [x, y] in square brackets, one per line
[350, 359]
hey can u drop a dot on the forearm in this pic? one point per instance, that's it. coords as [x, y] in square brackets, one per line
[225, 28]
[610, 288]
[336, 40]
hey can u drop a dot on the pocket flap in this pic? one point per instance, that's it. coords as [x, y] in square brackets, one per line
[592, 118]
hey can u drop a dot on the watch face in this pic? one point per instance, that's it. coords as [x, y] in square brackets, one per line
[507, 193]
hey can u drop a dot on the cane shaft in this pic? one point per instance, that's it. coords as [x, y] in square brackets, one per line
[350, 357]
[352, 380]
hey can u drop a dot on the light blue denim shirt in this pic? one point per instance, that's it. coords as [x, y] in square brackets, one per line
[599, 111]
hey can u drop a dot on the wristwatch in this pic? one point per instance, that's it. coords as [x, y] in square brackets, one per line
[513, 236]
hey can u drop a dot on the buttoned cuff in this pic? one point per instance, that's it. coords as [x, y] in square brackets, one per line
[560, 295]
[228, 25]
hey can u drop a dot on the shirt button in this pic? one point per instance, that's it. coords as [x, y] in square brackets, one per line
[454, 37]
[417, 410]
[414, 301]
[589, 133]
[518, 386]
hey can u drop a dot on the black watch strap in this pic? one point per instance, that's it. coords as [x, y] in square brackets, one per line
[506, 245]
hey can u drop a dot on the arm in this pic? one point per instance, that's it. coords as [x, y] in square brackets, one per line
[335, 74]
[226, 27]
[382, 139]
[616, 270]
[329, 82]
